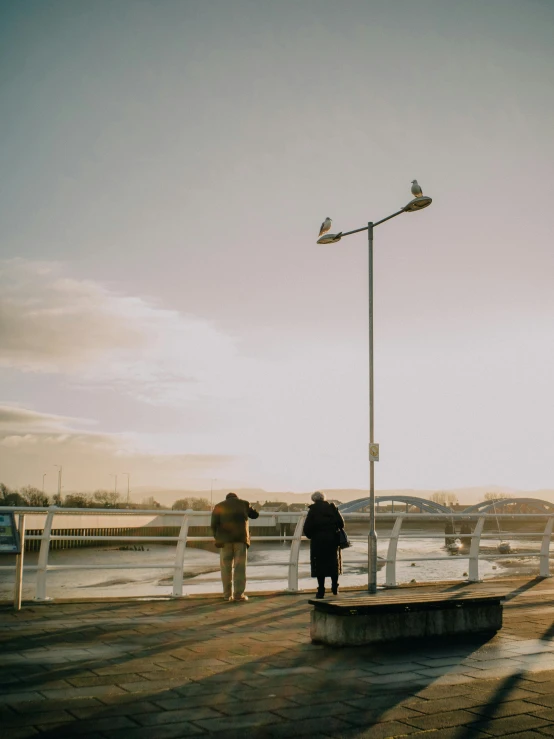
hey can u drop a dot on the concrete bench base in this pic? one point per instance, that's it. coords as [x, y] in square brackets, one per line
[374, 619]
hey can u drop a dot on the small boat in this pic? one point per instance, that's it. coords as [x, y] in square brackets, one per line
[504, 547]
[454, 547]
[465, 535]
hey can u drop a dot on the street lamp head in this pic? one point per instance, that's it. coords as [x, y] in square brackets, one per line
[423, 201]
[330, 238]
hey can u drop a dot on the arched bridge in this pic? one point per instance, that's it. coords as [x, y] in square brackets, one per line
[407, 503]
[512, 505]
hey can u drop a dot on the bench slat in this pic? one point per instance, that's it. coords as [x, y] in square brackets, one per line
[395, 603]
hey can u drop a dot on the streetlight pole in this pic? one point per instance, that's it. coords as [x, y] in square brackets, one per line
[59, 500]
[417, 203]
[43, 476]
[372, 536]
[115, 483]
[128, 482]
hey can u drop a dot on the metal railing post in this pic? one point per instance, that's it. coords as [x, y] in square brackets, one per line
[180, 557]
[295, 554]
[544, 559]
[18, 586]
[390, 572]
[42, 566]
[474, 551]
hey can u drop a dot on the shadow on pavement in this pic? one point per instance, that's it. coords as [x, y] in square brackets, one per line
[227, 670]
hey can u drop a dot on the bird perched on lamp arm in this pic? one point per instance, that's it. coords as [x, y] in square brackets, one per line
[417, 192]
[325, 226]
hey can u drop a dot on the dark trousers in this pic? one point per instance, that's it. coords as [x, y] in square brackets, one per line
[321, 582]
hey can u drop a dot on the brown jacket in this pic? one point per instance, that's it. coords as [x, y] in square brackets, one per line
[230, 521]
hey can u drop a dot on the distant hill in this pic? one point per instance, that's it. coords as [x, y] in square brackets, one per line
[465, 495]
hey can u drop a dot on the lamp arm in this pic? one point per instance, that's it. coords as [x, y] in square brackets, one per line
[358, 230]
[398, 212]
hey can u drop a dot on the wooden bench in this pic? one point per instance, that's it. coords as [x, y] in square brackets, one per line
[384, 618]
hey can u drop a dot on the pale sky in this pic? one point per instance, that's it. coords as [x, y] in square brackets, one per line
[165, 310]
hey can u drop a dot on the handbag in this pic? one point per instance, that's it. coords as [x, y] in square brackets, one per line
[343, 540]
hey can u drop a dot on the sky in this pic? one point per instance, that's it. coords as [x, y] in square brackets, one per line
[165, 310]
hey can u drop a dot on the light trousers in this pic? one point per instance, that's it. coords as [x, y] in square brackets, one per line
[232, 559]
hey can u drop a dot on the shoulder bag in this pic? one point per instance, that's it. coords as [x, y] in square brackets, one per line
[343, 540]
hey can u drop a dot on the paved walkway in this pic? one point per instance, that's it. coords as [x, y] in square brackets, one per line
[202, 667]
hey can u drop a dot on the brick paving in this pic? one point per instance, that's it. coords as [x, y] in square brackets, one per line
[202, 667]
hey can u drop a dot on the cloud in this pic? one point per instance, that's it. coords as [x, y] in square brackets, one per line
[14, 419]
[52, 323]
[254, 416]
[32, 442]
[294, 419]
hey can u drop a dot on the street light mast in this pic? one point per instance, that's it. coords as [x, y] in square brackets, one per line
[416, 204]
[128, 483]
[59, 498]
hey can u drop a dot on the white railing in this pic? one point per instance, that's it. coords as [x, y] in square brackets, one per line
[474, 555]
[43, 518]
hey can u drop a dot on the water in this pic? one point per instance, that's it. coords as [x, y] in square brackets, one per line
[267, 570]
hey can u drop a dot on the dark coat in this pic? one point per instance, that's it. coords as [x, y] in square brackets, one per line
[321, 527]
[230, 521]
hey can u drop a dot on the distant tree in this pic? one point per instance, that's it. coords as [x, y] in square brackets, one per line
[77, 500]
[106, 498]
[34, 497]
[9, 497]
[492, 497]
[183, 504]
[444, 498]
[150, 503]
[195, 504]
[202, 504]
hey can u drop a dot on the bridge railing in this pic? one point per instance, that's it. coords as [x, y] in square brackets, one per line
[187, 519]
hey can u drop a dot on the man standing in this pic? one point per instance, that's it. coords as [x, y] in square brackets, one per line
[232, 537]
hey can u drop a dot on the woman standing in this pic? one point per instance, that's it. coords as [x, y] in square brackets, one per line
[321, 527]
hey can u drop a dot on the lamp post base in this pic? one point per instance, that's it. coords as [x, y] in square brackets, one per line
[372, 562]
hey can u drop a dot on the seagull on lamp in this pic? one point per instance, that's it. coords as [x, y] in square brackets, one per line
[325, 226]
[417, 192]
